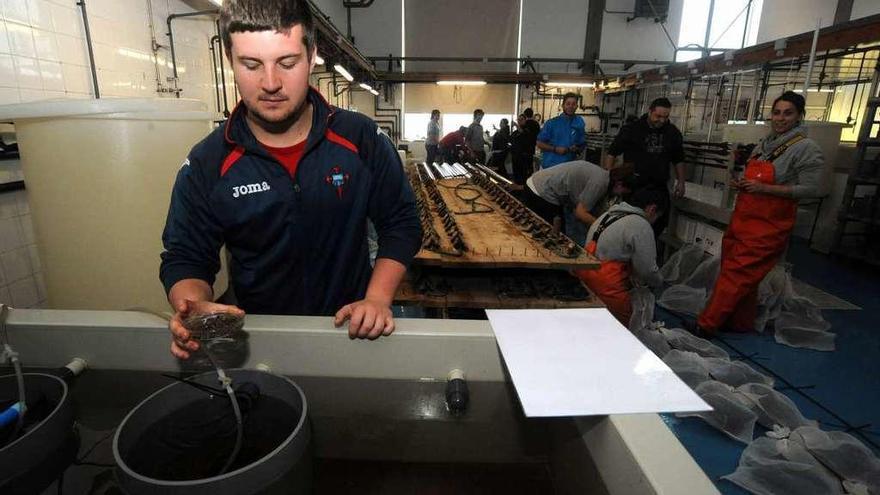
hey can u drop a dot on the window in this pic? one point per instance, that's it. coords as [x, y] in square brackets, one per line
[688, 55]
[416, 124]
[734, 24]
[694, 17]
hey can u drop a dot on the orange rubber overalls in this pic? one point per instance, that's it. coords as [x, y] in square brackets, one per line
[752, 245]
[611, 281]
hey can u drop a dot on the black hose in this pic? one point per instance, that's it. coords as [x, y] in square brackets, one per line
[222, 71]
[170, 34]
[214, 71]
[85, 18]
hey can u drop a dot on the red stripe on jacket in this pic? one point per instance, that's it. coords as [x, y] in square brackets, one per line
[336, 138]
[230, 160]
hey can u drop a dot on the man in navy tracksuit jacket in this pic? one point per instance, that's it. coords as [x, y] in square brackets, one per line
[296, 228]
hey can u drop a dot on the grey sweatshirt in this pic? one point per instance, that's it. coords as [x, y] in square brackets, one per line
[570, 183]
[631, 239]
[800, 166]
[474, 137]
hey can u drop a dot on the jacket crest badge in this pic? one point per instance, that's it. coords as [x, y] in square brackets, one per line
[337, 178]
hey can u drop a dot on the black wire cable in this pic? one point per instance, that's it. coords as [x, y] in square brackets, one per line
[204, 388]
[473, 202]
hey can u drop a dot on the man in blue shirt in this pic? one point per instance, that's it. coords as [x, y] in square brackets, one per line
[562, 138]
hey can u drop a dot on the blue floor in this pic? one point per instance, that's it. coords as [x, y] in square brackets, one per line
[844, 385]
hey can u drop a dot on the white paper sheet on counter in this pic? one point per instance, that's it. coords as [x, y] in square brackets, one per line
[582, 362]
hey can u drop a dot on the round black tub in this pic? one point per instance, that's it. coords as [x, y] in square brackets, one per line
[47, 444]
[177, 440]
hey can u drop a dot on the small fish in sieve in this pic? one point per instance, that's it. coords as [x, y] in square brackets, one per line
[214, 327]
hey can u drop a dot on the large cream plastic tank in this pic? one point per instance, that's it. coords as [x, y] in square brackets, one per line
[99, 175]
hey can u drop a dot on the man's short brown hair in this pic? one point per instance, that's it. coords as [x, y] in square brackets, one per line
[238, 16]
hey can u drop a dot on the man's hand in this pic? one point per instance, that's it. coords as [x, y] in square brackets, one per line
[560, 150]
[368, 319]
[679, 189]
[182, 342]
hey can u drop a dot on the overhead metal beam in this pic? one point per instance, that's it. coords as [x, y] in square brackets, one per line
[843, 12]
[533, 60]
[489, 77]
[836, 37]
[593, 38]
[475, 59]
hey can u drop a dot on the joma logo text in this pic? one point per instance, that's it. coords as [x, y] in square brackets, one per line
[249, 189]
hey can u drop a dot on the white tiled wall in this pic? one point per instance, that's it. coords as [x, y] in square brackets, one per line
[43, 55]
[21, 279]
[43, 52]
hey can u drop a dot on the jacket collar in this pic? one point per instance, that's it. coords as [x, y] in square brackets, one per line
[773, 141]
[237, 132]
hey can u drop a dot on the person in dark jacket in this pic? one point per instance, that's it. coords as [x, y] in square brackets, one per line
[653, 144]
[287, 185]
[500, 147]
[523, 146]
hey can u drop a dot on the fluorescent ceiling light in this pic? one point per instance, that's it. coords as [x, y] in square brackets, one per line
[811, 90]
[341, 70]
[218, 3]
[571, 84]
[319, 60]
[369, 88]
[461, 83]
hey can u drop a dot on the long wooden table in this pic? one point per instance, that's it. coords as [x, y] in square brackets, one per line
[483, 249]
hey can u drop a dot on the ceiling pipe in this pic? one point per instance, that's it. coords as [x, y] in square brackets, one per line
[350, 4]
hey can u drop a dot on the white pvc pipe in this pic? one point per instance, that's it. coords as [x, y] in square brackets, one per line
[812, 56]
[77, 366]
[455, 374]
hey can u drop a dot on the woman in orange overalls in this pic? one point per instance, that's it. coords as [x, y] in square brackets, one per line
[784, 167]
